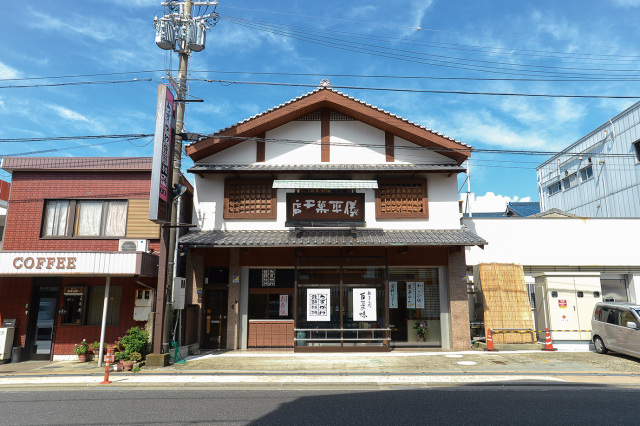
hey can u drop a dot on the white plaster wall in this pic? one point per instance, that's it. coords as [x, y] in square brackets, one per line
[556, 241]
[405, 152]
[354, 142]
[209, 198]
[294, 153]
[242, 153]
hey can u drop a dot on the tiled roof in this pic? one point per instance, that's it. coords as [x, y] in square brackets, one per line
[484, 214]
[345, 96]
[523, 209]
[332, 237]
[327, 167]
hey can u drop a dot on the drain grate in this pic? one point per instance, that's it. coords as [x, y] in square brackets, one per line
[499, 362]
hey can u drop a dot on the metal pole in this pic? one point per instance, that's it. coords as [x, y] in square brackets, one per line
[469, 188]
[105, 308]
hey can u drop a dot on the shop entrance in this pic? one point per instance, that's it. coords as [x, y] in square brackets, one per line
[42, 321]
[214, 330]
[341, 304]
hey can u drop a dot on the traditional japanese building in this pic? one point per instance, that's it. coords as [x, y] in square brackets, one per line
[327, 224]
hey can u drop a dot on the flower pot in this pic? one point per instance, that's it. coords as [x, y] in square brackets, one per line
[420, 337]
[127, 365]
[83, 358]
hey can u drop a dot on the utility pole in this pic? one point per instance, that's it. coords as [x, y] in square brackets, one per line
[180, 32]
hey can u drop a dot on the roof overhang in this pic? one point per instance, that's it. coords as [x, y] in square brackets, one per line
[42, 263]
[332, 237]
[327, 98]
[327, 168]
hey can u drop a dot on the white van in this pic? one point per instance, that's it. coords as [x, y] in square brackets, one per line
[616, 327]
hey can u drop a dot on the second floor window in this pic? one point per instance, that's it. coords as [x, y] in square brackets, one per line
[85, 218]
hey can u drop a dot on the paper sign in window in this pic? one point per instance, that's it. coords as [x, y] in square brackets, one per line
[318, 304]
[364, 304]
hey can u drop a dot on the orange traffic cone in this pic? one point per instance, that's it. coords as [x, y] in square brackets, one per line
[490, 342]
[548, 345]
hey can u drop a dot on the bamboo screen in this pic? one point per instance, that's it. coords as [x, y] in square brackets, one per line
[506, 302]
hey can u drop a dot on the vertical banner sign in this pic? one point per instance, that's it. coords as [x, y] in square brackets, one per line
[411, 295]
[159, 198]
[364, 304]
[284, 305]
[318, 305]
[393, 294]
[419, 295]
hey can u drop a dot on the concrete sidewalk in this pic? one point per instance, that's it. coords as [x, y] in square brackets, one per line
[285, 369]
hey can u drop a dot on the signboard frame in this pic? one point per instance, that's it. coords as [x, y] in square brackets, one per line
[162, 169]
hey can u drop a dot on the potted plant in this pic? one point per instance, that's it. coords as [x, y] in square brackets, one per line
[421, 329]
[81, 350]
[135, 339]
[95, 348]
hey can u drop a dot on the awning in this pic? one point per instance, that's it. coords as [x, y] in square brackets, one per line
[325, 184]
[120, 263]
[333, 237]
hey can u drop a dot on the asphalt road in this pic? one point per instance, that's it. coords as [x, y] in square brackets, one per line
[469, 405]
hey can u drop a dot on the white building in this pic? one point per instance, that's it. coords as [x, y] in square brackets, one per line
[328, 224]
[599, 175]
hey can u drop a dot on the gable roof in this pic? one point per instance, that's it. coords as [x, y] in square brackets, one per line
[522, 208]
[325, 97]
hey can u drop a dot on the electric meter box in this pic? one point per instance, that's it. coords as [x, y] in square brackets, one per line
[179, 292]
[143, 304]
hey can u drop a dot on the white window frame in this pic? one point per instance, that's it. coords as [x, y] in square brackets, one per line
[572, 182]
[583, 170]
[557, 184]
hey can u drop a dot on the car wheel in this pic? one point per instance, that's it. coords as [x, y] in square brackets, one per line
[599, 345]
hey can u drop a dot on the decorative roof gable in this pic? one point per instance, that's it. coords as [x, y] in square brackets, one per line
[325, 97]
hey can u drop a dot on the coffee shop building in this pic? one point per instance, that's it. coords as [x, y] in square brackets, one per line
[328, 224]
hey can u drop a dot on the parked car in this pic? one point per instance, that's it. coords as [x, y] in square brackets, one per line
[616, 327]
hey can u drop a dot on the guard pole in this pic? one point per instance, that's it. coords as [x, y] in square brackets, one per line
[106, 368]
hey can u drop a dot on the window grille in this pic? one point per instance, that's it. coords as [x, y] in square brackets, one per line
[402, 199]
[249, 199]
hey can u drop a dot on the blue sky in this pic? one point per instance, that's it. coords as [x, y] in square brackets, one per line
[539, 47]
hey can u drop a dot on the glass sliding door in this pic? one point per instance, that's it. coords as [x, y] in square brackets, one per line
[318, 302]
[341, 302]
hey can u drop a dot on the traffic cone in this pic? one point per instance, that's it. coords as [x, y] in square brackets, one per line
[548, 345]
[490, 347]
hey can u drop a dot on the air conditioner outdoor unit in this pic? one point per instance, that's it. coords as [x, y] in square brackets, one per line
[133, 245]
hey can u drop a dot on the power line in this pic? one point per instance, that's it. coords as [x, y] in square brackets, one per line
[77, 83]
[404, 55]
[440, 92]
[410, 27]
[81, 75]
[66, 138]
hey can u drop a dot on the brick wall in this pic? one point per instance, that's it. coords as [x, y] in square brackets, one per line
[15, 294]
[14, 297]
[31, 188]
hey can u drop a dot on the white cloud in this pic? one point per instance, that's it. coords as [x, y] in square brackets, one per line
[68, 114]
[7, 72]
[491, 202]
[97, 29]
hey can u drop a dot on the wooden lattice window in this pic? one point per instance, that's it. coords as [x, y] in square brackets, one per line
[402, 199]
[249, 199]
